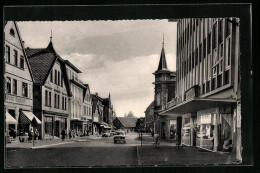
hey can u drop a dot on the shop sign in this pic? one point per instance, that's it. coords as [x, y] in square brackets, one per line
[15, 99]
[206, 119]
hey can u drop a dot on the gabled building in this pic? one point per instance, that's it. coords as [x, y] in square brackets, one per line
[164, 92]
[87, 108]
[50, 90]
[125, 123]
[208, 100]
[18, 80]
[97, 113]
[108, 111]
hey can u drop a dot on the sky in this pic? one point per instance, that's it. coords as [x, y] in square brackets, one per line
[116, 57]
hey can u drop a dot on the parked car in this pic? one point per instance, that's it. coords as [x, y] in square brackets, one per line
[106, 134]
[120, 133]
[119, 138]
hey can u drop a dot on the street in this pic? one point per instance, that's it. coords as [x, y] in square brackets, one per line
[101, 151]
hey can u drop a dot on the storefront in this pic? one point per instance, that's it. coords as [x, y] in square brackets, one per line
[53, 125]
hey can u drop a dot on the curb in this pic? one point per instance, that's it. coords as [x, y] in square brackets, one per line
[46, 146]
[138, 156]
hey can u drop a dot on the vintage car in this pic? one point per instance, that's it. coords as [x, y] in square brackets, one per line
[119, 138]
[106, 134]
[120, 133]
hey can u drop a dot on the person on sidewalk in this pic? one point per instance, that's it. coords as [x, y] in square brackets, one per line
[70, 135]
[36, 134]
[30, 134]
[63, 133]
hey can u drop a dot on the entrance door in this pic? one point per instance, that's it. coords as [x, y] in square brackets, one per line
[57, 128]
[179, 126]
[163, 131]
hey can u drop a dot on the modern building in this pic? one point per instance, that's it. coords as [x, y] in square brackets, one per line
[125, 123]
[87, 109]
[149, 118]
[18, 81]
[207, 105]
[164, 92]
[75, 103]
[50, 90]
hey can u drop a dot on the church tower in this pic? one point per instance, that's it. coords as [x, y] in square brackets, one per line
[163, 93]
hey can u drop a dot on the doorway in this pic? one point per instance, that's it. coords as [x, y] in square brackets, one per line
[179, 126]
[57, 128]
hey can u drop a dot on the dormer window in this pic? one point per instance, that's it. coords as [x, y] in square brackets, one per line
[12, 32]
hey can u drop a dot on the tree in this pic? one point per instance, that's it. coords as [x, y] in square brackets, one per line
[140, 123]
[130, 114]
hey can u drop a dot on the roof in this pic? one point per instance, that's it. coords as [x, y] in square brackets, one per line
[41, 62]
[72, 66]
[127, 121]
[151, 105]
[162, 64]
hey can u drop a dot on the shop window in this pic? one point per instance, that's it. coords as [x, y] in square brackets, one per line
[24, 89]
[8, 59]
[8, 85]
[22, 62]
[15, 58]
[14, 87]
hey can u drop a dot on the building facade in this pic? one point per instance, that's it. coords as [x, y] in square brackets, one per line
[108, 111]
[207, 103]
[127, 124]
[87, 109]
[76, 108]
[50, 90]
[97, 113]
[18, 79]
[164, 92]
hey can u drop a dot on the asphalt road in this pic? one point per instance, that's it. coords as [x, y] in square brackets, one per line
[85, 153]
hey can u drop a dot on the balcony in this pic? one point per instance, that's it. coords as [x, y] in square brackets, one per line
[192, 93]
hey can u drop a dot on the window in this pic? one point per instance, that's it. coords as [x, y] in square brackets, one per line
[228, 28]
[22, 62]
[51, 77]
[55, 77]
[58, 78]
[85, 111]
[8, 54]
[215, 36]
[65, 103]
[8, 85]
[12, 32]
[61, 80]
[62, 103]
[50, 99]
[15, 58]
[209, 67]
[209, 43]
[204, 47]
[58, 104]
[24, 89]
[14, 86]
[46, 98]
[228, 44]
[55, 100]
[220, 31]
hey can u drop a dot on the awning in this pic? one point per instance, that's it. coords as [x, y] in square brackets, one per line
[26, 117]
[10, 119]
[196, 105]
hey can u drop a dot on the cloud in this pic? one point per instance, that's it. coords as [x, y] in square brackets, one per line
[129, 81]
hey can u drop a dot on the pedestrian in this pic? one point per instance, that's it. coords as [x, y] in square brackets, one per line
[30, 134]
[63, 133]
[70, 134]
[36, 134]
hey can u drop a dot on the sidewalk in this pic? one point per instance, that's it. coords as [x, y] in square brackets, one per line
[147, 139]
[47, 142]
[185, 155]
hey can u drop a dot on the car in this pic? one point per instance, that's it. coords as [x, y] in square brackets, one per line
[120, 133]
[107, 134]
[119, 138]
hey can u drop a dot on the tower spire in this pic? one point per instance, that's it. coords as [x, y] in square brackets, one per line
[162, 64]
